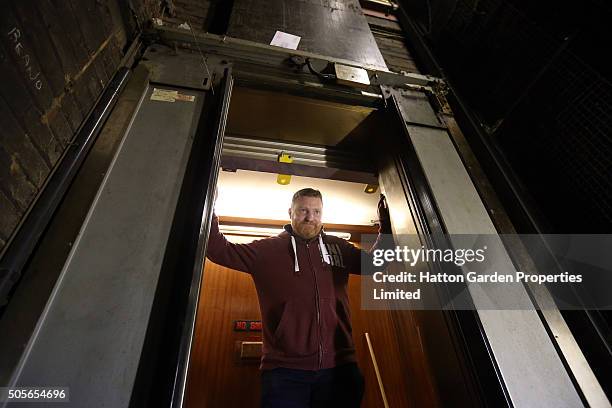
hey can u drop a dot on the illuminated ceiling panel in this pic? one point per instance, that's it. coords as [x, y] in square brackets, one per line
[250, 194]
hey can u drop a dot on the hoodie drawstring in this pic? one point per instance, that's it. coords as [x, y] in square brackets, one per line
[322, 247]
[326, 257]
[297, 266]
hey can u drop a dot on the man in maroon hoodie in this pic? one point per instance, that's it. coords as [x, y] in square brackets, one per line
[301, 277]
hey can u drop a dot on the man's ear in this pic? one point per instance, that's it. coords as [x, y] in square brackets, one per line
[289, 211]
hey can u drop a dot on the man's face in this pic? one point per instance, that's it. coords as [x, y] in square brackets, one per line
[305, 216]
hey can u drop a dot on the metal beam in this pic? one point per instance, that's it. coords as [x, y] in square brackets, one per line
[303, 154]
[530, 367]
[91, 332]
[249, 53]
[268, 166]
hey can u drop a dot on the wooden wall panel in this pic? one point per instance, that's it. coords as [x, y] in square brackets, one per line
[215, 378]
[386, 348]
[24, 89]
[56, 57]
[391, 42]
[402, 361]
[25, 152]
[193, 12]
[10, 216]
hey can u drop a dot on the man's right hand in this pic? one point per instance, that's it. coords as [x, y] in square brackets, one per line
[383, 216]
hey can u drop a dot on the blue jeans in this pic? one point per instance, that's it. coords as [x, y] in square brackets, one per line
[333, 387]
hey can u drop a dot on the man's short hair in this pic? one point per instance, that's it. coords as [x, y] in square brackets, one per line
[306, 192]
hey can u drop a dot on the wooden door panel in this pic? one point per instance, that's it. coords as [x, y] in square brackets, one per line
[216, 378]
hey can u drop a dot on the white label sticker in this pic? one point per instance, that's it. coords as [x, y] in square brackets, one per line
[167, 95]
[164, 95]
[286, 40]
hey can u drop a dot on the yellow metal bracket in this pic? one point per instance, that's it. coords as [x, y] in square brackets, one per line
[284, 179]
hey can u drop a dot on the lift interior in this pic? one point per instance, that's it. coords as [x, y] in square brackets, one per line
[336, 148]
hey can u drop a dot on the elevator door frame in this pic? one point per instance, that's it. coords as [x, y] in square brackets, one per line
[491, 369]
[450, 204]
[490, 390]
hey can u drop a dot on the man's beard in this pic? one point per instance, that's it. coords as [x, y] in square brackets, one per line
[308, 230]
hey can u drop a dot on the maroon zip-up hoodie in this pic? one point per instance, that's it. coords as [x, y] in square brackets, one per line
[302, 295]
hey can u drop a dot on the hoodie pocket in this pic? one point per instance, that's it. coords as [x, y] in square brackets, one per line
[336, 326]
[296, 333]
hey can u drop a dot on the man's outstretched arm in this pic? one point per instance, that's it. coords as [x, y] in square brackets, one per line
[235, 256]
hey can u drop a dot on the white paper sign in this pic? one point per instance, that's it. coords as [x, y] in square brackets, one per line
[285, 40]
[168, 95]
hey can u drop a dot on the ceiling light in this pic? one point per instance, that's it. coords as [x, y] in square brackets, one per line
[370, 189]
[268, 232]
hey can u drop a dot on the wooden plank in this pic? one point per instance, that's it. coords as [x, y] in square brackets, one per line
[71, 110]
[102, 65]
[59, 37]
[123, 11]
[106, 62]
[18, 54]
[42, 51]
[45, 141]
[91, 42]
[16, 143]
[72, 28]
[114, 31]
[108, 31]
[100, 68]
[86, 87]
[81, 93]
[94, 34]
[104, 16]
[42, 47]
[396, 54]
[14, 181]
[120, 26]
[60, 128]
[196, 8]
[90, 82]
[97, 77]
[17, 96]
[9, 218]
[97, 70]
[88, 25]
[116, 53]
[68, 54]
[98, 65]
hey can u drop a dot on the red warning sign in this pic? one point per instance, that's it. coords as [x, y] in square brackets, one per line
[247, 325]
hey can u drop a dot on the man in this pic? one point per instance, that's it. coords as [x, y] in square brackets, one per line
[301, 277]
